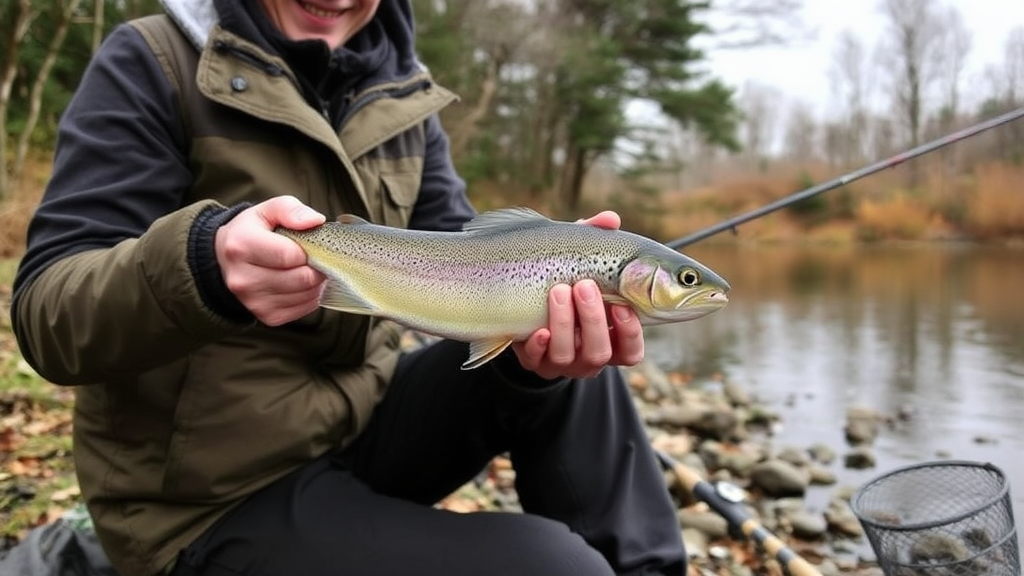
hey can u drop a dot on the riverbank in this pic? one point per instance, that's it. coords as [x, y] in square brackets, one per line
[714, 427]
[717, 429]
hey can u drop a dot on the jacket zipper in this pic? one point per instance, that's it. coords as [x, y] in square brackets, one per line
[249, 58]
[358, 103]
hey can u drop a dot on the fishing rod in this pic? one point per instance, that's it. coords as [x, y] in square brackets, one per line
[900, 158]
[726, 499]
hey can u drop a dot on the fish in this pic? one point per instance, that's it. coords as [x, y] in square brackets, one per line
[488, 284]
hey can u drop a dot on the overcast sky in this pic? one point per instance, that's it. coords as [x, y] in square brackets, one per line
[802, 70]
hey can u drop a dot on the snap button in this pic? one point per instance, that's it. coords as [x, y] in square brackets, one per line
[239, 84]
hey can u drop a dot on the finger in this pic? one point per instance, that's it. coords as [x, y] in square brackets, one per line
[279, 315]
[596, 349]
[627, 336]
[256, 281]
[561, 349]
[289, 212]
[531, 352]
[246, 240]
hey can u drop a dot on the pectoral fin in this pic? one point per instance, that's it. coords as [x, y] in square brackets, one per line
[338, 296]
[483, 351]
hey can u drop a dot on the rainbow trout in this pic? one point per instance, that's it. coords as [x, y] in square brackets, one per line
[488, 285]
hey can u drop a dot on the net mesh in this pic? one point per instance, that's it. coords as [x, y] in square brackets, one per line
[940, 519]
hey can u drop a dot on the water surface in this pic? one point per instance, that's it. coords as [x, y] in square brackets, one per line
[932, 331]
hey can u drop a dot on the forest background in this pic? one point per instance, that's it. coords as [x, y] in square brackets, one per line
[547, 90]
[548, 117]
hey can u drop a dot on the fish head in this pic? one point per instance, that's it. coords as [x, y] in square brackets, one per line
[671, 288]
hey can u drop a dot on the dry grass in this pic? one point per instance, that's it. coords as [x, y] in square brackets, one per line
[897, 218]
[16, 211]
[996, 208]
[987, 204]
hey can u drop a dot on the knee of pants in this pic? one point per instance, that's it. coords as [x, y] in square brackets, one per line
[542, 547]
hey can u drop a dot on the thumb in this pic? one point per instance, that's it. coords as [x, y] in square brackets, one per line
[289, 212]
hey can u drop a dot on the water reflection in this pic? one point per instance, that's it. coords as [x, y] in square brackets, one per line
[935, 331]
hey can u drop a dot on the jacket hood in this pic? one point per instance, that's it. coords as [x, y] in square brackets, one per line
[196, 18]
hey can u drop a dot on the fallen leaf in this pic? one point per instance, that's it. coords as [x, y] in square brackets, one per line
[66, 494]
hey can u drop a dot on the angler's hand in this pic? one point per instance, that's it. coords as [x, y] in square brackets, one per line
[264, 270]
[584, 334]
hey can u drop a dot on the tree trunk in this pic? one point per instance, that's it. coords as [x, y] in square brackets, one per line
[97, 24]
[38, 84]
[464, 131]
[570, 188]
[22, 19]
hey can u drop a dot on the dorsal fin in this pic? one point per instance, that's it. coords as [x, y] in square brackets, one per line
[504, 218]
[351, 220]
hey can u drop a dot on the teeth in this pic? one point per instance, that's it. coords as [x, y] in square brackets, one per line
[320, 12]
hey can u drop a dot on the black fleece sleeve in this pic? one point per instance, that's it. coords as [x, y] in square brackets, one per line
[442, 203]
[121, 159]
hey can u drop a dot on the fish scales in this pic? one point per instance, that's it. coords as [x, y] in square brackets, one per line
[488, 285]
[495, 277]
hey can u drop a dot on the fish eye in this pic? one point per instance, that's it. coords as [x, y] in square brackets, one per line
[689, 277]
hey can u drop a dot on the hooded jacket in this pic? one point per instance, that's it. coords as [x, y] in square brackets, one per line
[186, 404]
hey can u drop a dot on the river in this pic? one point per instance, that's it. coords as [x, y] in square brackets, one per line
[935, 332]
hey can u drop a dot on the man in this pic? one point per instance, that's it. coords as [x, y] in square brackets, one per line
[224, 423]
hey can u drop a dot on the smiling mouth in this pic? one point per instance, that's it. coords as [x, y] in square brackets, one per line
[320, 12]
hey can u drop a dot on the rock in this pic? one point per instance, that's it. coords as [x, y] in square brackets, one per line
[808, 526]
[696, 543]
[779, 478]
[860, 458]
[760, 416]
[862, 425]
[828, 568]
[793, 455]
[675, 445]
[842, 520]
[822, 453]
[738, 459]
[938, 548]
[821, 476]
[654, 380]
[736, 394]
[708, 522]
[708, 419]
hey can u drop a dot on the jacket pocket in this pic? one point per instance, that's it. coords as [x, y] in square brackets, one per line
[401, 189]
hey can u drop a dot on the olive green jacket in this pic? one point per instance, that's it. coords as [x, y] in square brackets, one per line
[182, 412]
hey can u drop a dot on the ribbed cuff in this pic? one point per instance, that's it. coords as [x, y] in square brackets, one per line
[202, 261]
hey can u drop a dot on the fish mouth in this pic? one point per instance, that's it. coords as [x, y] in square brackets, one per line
[700, 304]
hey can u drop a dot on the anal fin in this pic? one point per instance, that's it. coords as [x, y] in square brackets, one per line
[483, 351]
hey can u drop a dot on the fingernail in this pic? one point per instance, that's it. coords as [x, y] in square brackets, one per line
[560, 295]
[621, 313]
[308, 213]
[588, 291]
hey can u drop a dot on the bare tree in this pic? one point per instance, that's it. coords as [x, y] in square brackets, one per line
[911, 51]
[23, 16]
[1013, 66]
[756, 23]
[801, 133]
[760, 104]
[65, 12]
[850, 78]
[953, 52]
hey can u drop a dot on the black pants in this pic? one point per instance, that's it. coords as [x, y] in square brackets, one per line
[595, 501]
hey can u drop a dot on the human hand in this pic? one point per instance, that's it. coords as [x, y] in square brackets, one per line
[583, 334]
[264, 270]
